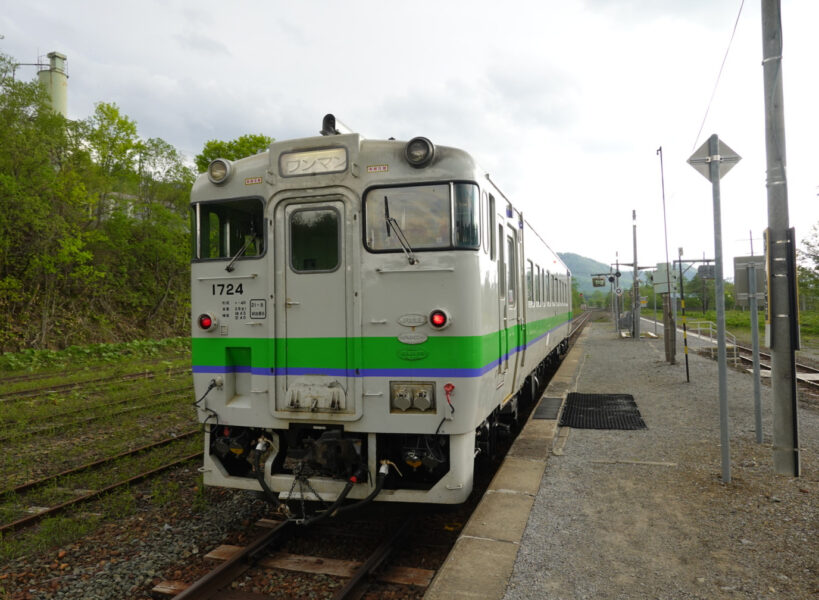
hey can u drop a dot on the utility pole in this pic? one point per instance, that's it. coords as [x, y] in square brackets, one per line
[669, 323]
[635, 289]
[618, 290]
[781, 294]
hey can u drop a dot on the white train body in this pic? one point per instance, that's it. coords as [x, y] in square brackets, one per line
[316, 331]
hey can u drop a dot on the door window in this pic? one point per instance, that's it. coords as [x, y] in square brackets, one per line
[511, 269]
[314, 240]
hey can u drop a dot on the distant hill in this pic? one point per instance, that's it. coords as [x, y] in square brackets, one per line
[582, 269]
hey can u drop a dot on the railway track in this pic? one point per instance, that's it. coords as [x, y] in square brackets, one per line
[807, 376]
[577, 325]
[89, 495]
[97, 382]
[50, 372]
[267, 552]
[52, 426]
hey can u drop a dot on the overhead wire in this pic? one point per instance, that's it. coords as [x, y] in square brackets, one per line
[719, 75]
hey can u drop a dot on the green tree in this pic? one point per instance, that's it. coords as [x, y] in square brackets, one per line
[808, 270]
[114, 145]
[43, 198]
[93, 225]
[244, 145]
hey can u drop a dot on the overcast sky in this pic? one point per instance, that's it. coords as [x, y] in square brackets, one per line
[564, 103]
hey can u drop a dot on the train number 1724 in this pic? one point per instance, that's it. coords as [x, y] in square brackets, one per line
[226, 289]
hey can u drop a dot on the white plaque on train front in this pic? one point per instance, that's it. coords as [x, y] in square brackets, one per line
[412, 338]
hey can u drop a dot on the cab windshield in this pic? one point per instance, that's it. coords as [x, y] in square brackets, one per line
[425, 215]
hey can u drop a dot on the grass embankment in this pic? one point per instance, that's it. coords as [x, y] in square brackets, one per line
[53, 431]
[739, 323]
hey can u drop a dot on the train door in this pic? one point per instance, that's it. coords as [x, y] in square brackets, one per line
[509, 302]
[513, 301]
[315, 350]
[503, 318]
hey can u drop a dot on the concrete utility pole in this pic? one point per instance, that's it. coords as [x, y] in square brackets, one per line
[669, 322]
[781, 293]
[635, 289]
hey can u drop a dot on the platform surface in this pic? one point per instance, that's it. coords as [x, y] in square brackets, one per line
[583, 513]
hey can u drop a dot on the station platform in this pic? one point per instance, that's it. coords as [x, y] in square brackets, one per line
[611, 513]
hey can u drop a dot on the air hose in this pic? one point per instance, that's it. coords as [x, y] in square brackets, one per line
[336, 509]
[380, 479]
[269, 494]
[332, 508]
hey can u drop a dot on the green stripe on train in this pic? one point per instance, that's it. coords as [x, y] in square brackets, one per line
[463, 352]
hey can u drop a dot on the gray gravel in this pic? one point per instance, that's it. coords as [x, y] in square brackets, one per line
[145, 559]
[644, 514]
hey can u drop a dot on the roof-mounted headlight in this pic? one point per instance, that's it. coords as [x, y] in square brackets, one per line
[419, 152]
[218, 170]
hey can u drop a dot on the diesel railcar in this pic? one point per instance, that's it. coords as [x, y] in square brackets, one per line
[366, 317]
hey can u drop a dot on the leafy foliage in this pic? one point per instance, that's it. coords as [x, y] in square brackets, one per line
[808, 267]
[245, 145]
[93, 225]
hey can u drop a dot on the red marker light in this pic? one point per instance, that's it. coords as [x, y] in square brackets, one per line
[438, 318]
[206, 321]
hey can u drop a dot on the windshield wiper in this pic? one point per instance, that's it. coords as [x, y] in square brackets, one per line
[248, 240]
[402, 239]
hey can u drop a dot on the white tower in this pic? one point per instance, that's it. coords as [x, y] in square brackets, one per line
[56, 81]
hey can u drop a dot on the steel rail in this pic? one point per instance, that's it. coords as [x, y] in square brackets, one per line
[67, 372]
[69, 424]
[25, 394]
[372, 563]
[75, 411]
[764, 355]
[211, 583]
[31, 519]
[577, 324]
[32, 484]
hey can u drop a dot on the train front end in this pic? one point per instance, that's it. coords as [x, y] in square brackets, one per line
[336, 321]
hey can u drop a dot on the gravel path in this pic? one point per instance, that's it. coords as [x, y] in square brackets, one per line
[644, 514]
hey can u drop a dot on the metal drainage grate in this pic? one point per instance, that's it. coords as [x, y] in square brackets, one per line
[548, 408]
[601, 411]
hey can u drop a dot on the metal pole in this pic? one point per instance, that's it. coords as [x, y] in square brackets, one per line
[635, 288]
[704, 289]
[783, 377]
[713, 151]
[669, 332]
[617, 287]
[755, 340]
[653, 293]
[685, 330]
[613, 314]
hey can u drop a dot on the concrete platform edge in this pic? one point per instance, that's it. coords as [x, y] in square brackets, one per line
[481, 562]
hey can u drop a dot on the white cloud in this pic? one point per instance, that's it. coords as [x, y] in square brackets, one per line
[564, 103]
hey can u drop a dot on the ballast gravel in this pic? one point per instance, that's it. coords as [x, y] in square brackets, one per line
[126, 559]
[645, 514]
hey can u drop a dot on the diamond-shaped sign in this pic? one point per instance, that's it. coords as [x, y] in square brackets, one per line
[701, 159]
